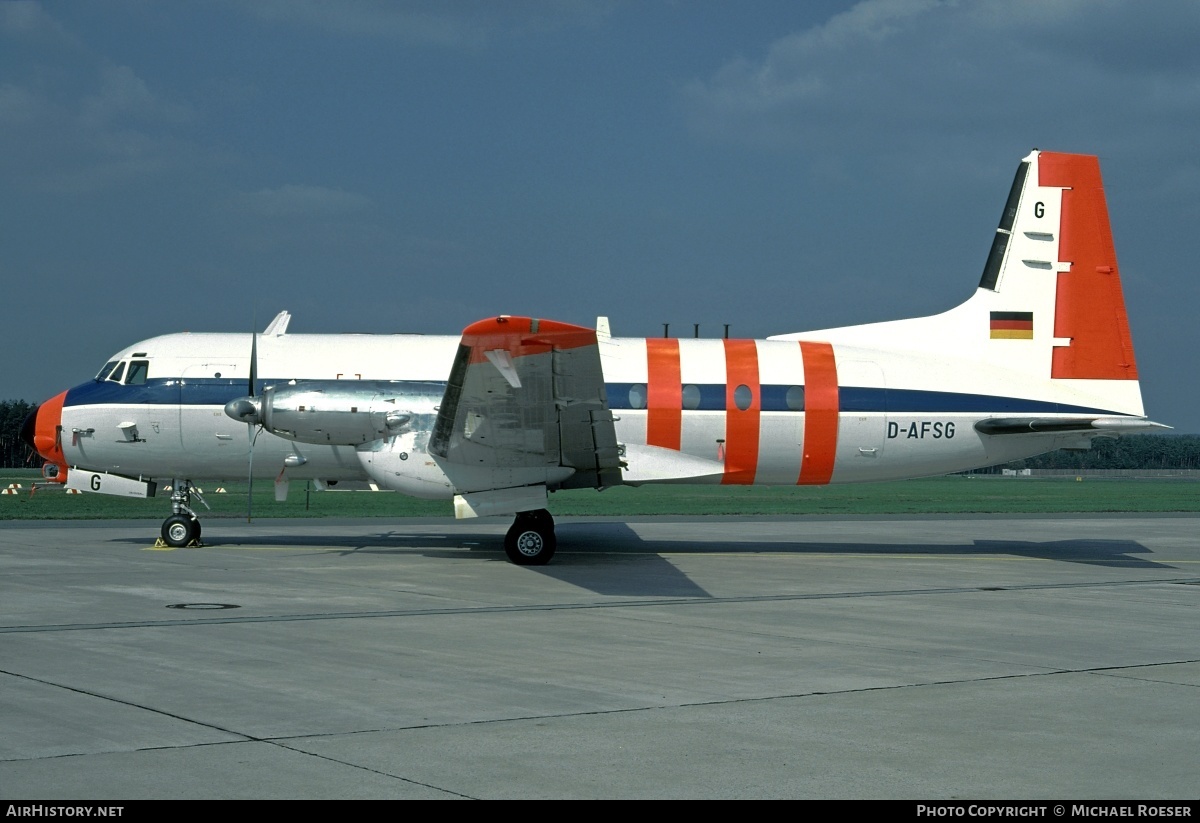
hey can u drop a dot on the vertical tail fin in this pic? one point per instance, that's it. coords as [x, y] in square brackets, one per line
[1056, 221]
[1049, 310]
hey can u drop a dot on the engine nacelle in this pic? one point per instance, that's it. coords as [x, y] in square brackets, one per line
[340, 412]
[403, 463]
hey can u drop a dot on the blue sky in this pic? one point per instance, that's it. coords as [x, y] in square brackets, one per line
[416, 166]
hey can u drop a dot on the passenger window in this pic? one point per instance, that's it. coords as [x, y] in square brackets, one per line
[795, 398]
[743, 397]
[138, 370]
[637, 396]
[116, 374]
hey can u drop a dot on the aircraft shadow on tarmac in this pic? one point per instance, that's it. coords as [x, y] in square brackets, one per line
[592, 545]
[599, 556]
[618, 538]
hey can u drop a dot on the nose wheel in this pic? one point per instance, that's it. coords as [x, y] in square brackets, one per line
[180, 530]
[530, 541]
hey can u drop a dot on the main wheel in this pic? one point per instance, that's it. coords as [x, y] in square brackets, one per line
[178, 530]
[530, 541]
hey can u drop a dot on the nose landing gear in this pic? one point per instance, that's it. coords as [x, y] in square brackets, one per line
[182, 528]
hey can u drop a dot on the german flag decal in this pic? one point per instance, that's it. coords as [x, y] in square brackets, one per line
[1012, 325]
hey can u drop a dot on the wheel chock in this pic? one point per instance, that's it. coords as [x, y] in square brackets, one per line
[159, 543]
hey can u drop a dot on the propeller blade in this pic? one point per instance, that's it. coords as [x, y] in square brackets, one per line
[250, 421]
[253, 362]
[250, 475]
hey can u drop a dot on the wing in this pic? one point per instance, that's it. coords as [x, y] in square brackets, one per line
[524, 411]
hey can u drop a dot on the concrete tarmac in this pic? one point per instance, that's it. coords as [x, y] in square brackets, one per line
[958, 657]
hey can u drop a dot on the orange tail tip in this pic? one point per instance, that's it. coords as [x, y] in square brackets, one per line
[1090, 307]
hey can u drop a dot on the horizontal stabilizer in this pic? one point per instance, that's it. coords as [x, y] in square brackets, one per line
[1053, 425]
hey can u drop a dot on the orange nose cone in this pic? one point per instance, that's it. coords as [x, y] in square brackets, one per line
[47, 429]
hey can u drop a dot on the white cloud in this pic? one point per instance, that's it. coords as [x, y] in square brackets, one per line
[300, 200]
[18, 105]
[24, 17]
[369, 18]
[73, 121]
[124, 95]
[460, 24]
[910, 73]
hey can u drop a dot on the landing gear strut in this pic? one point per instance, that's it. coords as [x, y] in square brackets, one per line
[530, 541]
[182, 528]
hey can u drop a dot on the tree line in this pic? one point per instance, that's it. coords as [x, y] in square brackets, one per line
[1135, 451]
[14, 453]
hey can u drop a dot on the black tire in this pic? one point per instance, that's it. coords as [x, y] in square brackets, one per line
[178, 530]
[539, 516]
[531, 541]
[196, 529]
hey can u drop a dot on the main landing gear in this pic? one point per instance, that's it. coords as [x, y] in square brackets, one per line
[183, 527]
[530, 541]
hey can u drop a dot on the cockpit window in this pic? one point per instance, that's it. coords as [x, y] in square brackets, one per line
[138, 370]
[116, 374]
[104, 372]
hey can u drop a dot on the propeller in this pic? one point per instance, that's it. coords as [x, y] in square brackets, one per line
[254, 409]
[249, 410]
[251, 432]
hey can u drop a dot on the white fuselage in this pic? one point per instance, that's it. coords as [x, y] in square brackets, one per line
[774, 412]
